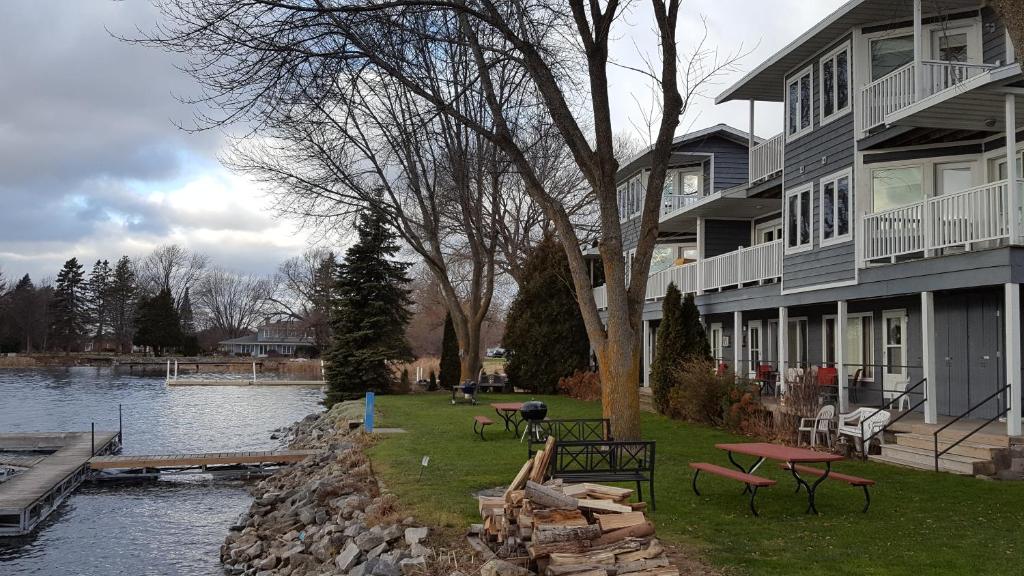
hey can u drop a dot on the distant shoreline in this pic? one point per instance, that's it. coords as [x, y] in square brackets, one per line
[157, 365]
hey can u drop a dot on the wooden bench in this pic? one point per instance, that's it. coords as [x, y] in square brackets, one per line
[606, 461]
[753, 482]
[479, 423]
[855, 481]
[569, 430]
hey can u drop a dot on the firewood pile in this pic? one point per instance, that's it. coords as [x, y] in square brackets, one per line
[562, 529]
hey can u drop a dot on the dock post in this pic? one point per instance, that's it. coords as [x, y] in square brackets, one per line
[253, 372]
[93, 452]
[175, 369]
[168, 370]
[368, 415]
[120, 426]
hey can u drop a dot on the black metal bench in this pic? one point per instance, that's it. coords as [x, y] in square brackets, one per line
[606, 461]
[579, 430]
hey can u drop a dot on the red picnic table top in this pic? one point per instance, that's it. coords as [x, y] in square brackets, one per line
[507, 406]
[779, 452]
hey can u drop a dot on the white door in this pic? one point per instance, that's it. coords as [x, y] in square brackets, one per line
[754, 338]
[716, 343]
[953, 177]
[894, 352]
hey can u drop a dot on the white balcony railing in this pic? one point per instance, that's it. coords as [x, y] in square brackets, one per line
[744, 266]
[766, 159]
[978, 214]
[673, 203]
[896, 90]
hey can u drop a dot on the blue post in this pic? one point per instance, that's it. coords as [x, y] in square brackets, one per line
[368, 416]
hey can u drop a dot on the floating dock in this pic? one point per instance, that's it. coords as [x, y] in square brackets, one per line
[204, 460]
[29, 497]
[239, 382]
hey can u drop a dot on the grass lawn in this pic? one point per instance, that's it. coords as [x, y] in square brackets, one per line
[919, 522]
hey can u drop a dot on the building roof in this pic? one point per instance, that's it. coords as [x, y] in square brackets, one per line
[254, 339]
[765, 83]
[677, 158]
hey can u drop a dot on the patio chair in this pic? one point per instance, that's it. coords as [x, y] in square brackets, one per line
[793, 375]
[828, 381]
[891, 391]
[822, 423]
[873, 421]
[766, 376]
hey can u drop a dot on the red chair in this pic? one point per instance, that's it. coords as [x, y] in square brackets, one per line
[723, 368]
[828, 378]
[766, 378]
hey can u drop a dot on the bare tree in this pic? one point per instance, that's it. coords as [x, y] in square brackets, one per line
[302, 290]
[172, 267]
[231, 303]
[268, 62]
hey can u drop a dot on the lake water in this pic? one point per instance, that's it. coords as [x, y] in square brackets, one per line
[170, 527]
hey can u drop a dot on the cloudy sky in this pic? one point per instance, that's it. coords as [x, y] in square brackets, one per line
[92, 165]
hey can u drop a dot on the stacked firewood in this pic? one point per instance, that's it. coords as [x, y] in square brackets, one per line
[569, 529]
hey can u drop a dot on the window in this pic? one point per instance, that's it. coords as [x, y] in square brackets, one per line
[890, 54]
[835, 208]
[716, 342]
[798, 104]
[798, 219]
[797, 342]
[859, 344]
[895, 187]
[662, 258]
[997, 168]
[623, 210]
[835, 84]
[768, 232]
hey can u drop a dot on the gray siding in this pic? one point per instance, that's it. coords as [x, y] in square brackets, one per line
[730, 161]
[825, 150]
[722, 236]
[631, 233]
[993, 43]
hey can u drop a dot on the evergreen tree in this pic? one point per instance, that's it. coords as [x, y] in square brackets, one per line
[696, 345]
[368, 315]
[24, 312]
[545, 338]
[451, 368]
[98, 295]
[670, 348]
[156, 322]
[432, 382]
[188, 324]
[121, 298]
[69, 306]
[324, 278]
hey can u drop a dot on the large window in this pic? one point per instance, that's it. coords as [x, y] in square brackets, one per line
[798, 219]
[895, 187]
[797, 343]
[798, 104]
[835, 84]
[835, 207]
[859, 344]
[630, 198]
[890, 54]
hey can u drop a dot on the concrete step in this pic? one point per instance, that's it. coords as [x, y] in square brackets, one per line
[925, 460]
[951, 435]
[970, 447]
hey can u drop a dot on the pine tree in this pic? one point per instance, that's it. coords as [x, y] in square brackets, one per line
[188, 324]
[369, 314]
[432, 382]
[156, 323]
[670, 348]
[122, 296]
[696, 345]
[545, 338]
[69, 306]
[98, 298]
[451, 368]
[24, 312]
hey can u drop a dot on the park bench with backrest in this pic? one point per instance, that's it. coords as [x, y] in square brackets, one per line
[606, 461]
[578, 430]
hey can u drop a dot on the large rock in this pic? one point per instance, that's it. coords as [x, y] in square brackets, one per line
[392, 533]
[501, 568]
[414, 535]
[377, 551]
[368, 541]
[348, 557]
[410, 566]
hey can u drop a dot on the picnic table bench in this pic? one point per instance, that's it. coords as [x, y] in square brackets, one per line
[606, 461]
[752, 482]
[481, 422]
[851, 480]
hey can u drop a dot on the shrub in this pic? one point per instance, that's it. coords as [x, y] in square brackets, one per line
[432, 382]
[451, 368]
[581, 385]
[403, 386]
[699, 394]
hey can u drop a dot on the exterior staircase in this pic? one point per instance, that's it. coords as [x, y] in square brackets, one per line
[981, 454]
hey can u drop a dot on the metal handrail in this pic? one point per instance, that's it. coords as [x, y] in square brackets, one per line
[935, 435]
[924, 398]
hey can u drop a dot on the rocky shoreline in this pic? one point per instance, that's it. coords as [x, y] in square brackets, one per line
[326, 515]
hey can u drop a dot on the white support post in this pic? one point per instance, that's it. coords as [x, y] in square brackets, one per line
[750, 136]
[646, 380]
[1013, 365]
[253, 372]
[175, 369]
[918, 53]
[168, 370]
[841, 371]
[1013, 190]
[931, 385]
[783, 342]
[737, 343]
[700, 255]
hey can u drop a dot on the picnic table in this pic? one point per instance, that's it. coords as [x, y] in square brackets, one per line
[509, 412]
[788, 455]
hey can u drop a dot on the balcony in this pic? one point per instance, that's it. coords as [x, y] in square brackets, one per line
[672, 204]
[755, 264]
[978, 214]
[766, 159]
[897, 90]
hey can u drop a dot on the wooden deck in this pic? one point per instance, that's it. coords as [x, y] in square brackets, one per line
[28, 498]
[171, 461]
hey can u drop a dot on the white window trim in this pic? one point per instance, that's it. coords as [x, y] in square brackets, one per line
[849, 316]
[836, 238]
[809, 187]
[720, 352]
[809, 70]
[836, 112]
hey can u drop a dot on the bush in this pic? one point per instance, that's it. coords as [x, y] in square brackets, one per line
[581, 385]
[699, 394]
[432, 382]
[403, 386]
[451, 368]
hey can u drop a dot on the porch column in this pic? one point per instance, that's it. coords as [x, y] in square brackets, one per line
[842, 372]
[918, 53]
[737, 342]
[1013, 366]
[931, 385]
[648, 350]
[1013, 191]
[700, 256]
[783, 342]
[750, 135]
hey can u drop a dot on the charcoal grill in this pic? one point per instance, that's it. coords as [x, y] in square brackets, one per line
[533, 413]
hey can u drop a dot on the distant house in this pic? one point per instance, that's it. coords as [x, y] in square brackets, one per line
[283, 338]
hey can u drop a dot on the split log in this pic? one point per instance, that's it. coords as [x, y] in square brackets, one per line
[639, 531]
[557, 518]
[641, 565]
[636, 505]
[609, 522]
[520, 480]
[570, 548]
[602, 506]
[663, 571]
[653, 550]
[566, 569]
[543, 460]
[549, 497]
[568, 558]
[550, 534]
[591, 572]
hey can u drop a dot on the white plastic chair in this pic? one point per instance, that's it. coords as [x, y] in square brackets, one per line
[822, 423]
[851, 425]
[891, 391]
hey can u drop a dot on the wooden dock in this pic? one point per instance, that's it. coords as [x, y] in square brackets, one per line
[29, 497]
[179, 461]
[239, 382]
